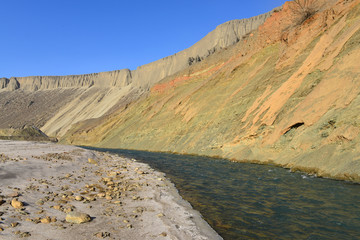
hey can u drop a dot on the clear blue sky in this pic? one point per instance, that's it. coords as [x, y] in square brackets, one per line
[61, 37]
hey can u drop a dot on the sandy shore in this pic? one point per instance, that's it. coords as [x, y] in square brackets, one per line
[125, 199]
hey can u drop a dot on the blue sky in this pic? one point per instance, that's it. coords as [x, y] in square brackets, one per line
[62, 37]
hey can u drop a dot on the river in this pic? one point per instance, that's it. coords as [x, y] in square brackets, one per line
[249, 201]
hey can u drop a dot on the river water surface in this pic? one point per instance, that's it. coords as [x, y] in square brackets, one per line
[248, 201]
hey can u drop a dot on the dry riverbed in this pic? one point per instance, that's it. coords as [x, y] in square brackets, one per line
[50, 191]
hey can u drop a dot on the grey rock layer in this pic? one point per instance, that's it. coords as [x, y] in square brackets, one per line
[147, 75]
[3, 82]
[13, 84]
[117, 78]
[9, 84]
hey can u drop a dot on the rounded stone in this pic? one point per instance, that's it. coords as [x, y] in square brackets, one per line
[77, 217]
[79, 198]
[15, 203]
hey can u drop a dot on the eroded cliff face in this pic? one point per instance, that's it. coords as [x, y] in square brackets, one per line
[98, 94]
[119, 78]
[287, 94]
[145, 76]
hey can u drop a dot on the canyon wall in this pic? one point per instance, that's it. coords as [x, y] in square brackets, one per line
[287, 94]
[98, 94]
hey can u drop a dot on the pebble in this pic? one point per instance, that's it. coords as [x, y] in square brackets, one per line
[101, 195]
[57, 207]
[13, 195]
[36, 220]
[46, 220]
[68, 209]
[40, 202]
[106, 179]
[77, 217]
[15, 203]
[113, 174]
[79, 198]
[14, 224]
[92, 161]
[25, 234]
[102, 234]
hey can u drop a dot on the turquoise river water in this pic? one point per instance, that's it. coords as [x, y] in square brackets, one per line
[248, 201]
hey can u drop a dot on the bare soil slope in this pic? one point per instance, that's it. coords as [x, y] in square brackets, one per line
[286, 94]
[78, 98]
[19, 108]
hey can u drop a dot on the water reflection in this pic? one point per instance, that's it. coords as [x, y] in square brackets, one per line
[247, 201]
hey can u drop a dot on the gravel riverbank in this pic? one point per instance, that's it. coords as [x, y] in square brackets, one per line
[47, 189]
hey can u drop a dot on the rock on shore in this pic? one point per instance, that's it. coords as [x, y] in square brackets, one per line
[47, 190]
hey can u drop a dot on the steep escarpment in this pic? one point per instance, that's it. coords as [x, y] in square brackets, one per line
[9, 84]
[145, 76]
[287, 94]
[119, 78]
[98, 94]
[223, 36]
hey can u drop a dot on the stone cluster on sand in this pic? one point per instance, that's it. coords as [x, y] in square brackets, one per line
[65, 191]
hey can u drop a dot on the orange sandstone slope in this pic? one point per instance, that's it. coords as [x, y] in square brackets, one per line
[286, 94]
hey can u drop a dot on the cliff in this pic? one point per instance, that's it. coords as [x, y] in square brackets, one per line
[287, 94]
[95, 95]
[119, 78]
[145, 76]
